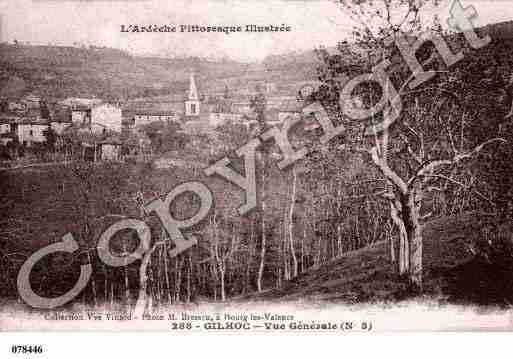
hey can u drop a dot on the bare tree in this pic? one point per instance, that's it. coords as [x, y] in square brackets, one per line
[420, 148]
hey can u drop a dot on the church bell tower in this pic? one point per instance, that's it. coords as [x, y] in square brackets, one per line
[192, 103]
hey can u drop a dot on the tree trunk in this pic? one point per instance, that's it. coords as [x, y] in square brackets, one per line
[223, 290]
[405, 214]
[151, 291]
[339, 240]
[111, 295]
[391, 242]
[189, 271]
[125, 272]
[357, 232]
[414, 233]
[93, 282]
[142, 301]
[213, 269]
[218, 261]
[178, 285]
[403, 260]
[284, 254]
[263, 242]
[291, 222]
[302, 250]
[105, 287]
[247, 283]
[166, 273]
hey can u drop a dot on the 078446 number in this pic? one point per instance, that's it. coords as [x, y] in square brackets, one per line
[27, 349]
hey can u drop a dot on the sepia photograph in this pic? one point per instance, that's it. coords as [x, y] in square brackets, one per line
[270, 166]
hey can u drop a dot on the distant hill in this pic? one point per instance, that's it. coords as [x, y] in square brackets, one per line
[293, 63]
[58, 72]
[306, 62]
[501, 30]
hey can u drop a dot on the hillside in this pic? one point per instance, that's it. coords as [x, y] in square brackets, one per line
[59, 72]
[453, 273]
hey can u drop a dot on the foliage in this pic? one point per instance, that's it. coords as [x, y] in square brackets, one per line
[165, 136]
[51, 138]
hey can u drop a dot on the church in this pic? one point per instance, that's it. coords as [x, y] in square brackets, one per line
[204, 116]
[196, 113]
[182, 108]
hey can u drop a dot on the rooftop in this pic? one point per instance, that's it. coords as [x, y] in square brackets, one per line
[155, 113]
[81, 102]
[31, 116]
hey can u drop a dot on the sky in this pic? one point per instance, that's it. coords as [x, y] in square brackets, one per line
[98, 22]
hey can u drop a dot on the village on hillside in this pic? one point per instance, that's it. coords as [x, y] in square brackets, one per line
[34, 130]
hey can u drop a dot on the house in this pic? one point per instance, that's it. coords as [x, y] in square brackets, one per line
[6, 133]
[110, 148]
[5, 128]
[93, 144]
[80, 115]
[96, 116]
[59, 127]
[27, 127]
[60, 119]
[31, 101]
[145, 117]
[76, 101]
[218, 118]
[106, 116]
[32, 131]
[242, 107]
[16, 106]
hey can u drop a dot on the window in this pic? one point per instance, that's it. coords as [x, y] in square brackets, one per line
[31, 133]
[193, 108]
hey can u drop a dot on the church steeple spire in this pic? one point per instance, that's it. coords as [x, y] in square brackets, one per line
[193, 91]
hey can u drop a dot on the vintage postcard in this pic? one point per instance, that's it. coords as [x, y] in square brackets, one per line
[258, 166]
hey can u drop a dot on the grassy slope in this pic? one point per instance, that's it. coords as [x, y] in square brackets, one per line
[451, 273]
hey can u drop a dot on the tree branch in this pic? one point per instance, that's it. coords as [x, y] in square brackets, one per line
[428, 167]
[388, 172]
[464, 186]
